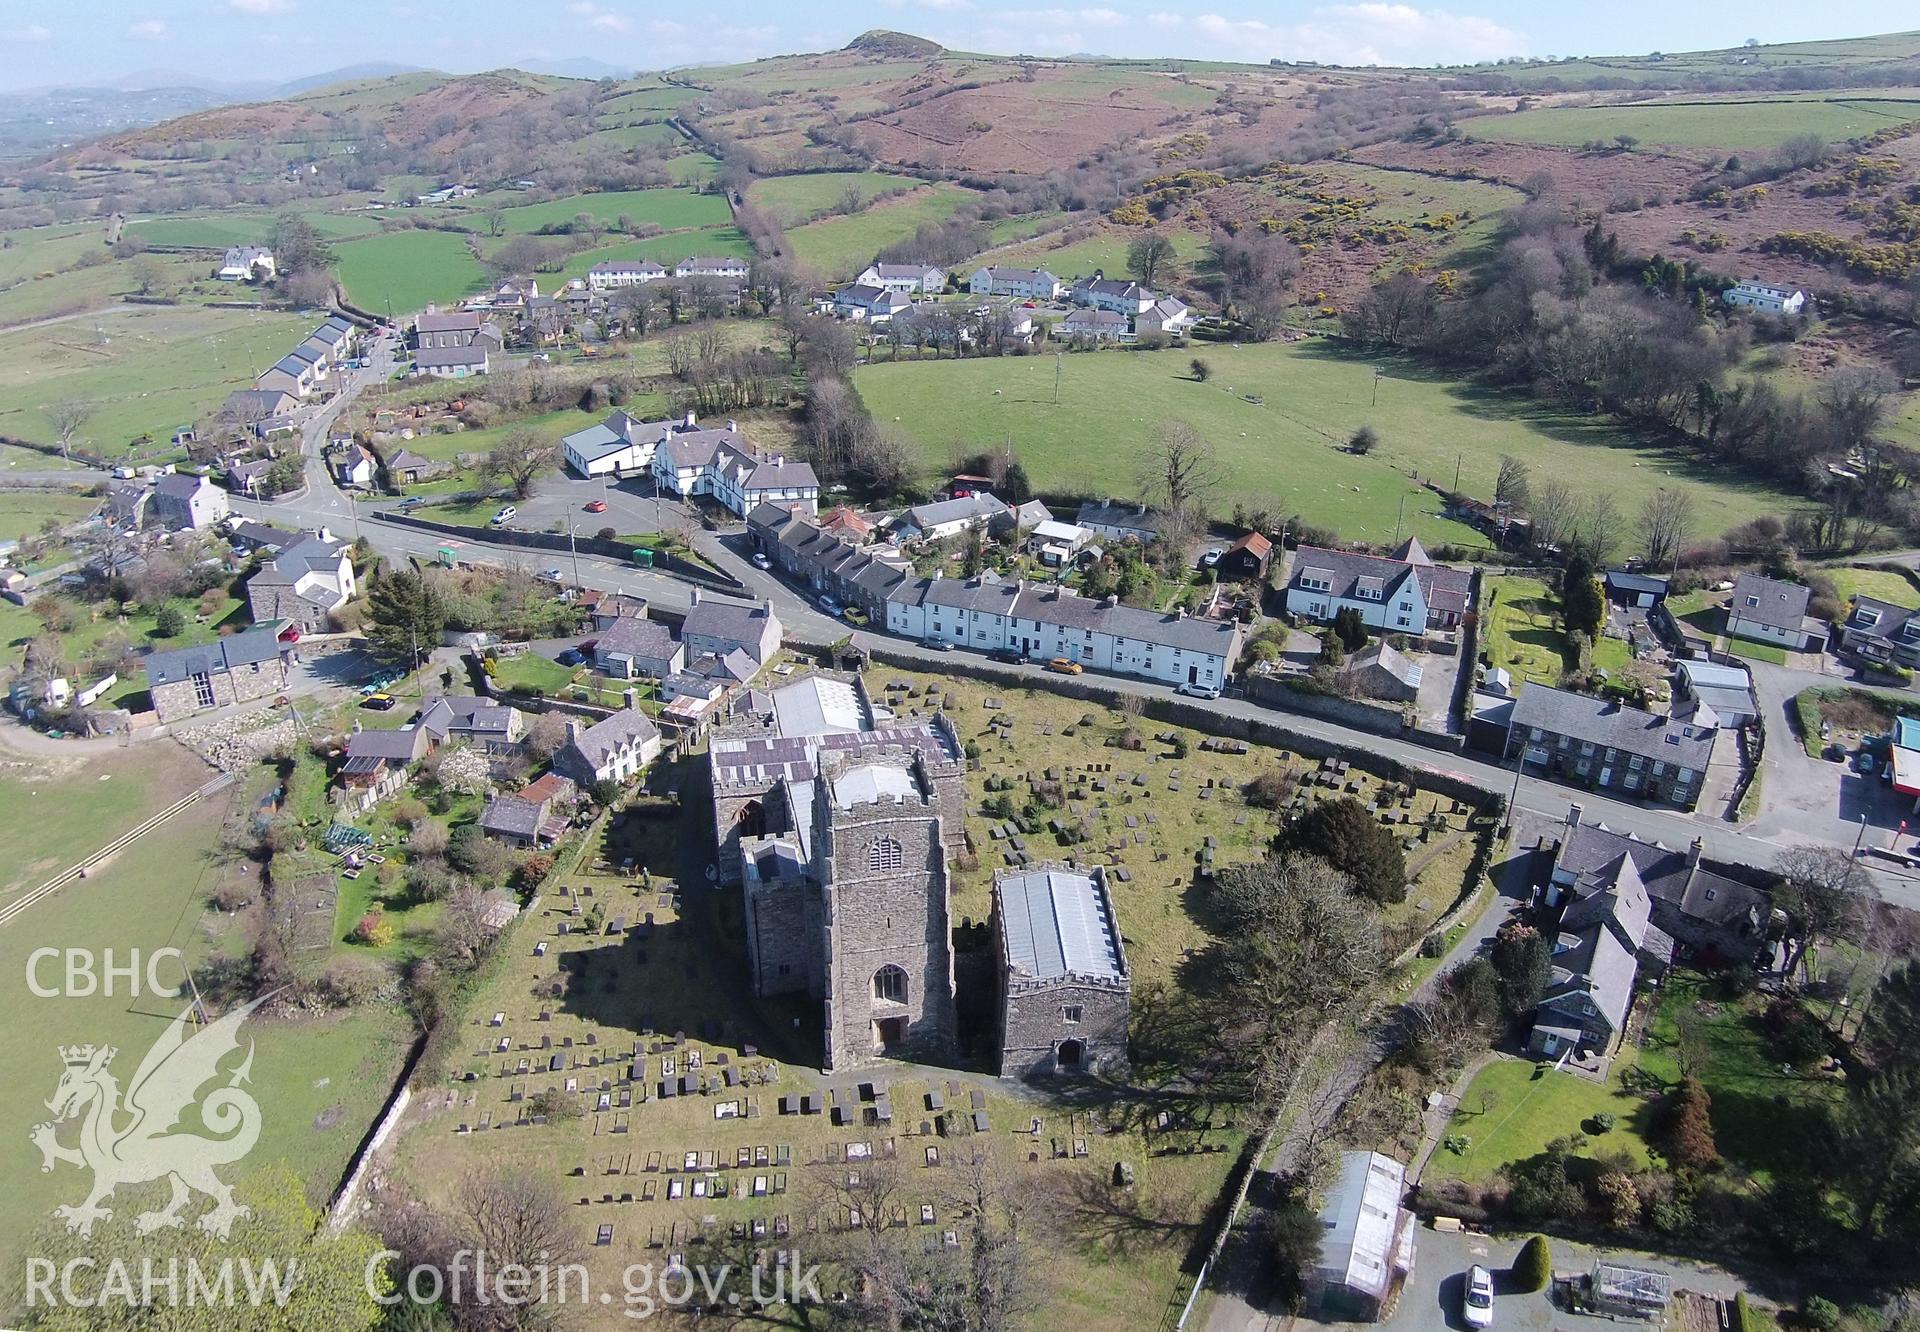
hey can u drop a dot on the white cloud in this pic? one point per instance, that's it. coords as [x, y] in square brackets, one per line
[1161, 18]
[600, 20]
[152, 30]
[665, 27]
[262, 6]
[32, 32]
[1368, 34]
[938, 6]
[1064, 18]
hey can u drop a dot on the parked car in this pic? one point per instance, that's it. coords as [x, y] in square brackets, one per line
[1193, 689]
[855, 616]
[1477, 1300]
[550, 575]
[596, 506]
[1061, 666]
[505, 515]
[413, 501]
[760, 560]
[1864, 762]
[829, 605]
[1211, 558]
[936, 645]
[378, 702]
[571, 657]
[1006, 656]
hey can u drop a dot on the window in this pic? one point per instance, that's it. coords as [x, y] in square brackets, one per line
[890, 984]
[1405, 622]
[203, 690]
[1070, 1013]
[883, 853]
[1712, 893]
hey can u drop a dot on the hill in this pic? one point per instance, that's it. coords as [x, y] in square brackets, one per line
[894, 45]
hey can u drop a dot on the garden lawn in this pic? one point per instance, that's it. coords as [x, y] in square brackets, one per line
[1763, 1119]
[146, 369]
[1851, 581]
[840, 247]
[796, 199]
[670, 209]
[319, 1080]
[1526, 1106]
[1752, 651]
[402, 271]
[1732, 123]
[1523, 628]
[1287, 452]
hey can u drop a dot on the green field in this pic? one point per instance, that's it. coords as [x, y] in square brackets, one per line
[402, 271]
[641, 101]
[794, 199]
[1885, 585]
[1286, 452]
[158, 368]
[243, 227]
[1745, 124]
[672, 210]
[628, 136]
[669, 250]
[840, 247]
[1514, 1107]
[25, 512]
[1105, 250]
[319, 1080]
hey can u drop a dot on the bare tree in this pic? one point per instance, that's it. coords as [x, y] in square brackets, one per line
[1664, 518]
[519, 459]
[1826, 895]
[68, 417]
[1598, 532]
[1512, 486]
[1553, 511]
[514, 1217]
[546, 735]
[1180, 472]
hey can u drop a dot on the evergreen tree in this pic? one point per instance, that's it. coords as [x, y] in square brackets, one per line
[1344, 833]
[1580, 595]
[405, 616]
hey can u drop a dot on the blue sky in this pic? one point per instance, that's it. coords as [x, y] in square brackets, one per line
[46, 41]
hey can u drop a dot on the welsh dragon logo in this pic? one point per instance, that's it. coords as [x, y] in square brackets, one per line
[135, 1142]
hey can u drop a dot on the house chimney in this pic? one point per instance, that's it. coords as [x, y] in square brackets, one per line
[325, 534]
[573, 731]
[1573, 816]
[1693, 853]
[689, 418]
[693, 598]
[733, 426]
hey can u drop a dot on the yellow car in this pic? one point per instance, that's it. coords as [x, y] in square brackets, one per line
[1061, 666]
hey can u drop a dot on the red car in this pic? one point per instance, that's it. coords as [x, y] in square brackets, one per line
[596, 506]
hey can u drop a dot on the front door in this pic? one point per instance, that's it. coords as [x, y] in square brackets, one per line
[889, 1032]
[1193, 675]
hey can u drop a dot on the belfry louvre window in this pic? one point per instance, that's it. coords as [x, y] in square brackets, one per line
[884, 854]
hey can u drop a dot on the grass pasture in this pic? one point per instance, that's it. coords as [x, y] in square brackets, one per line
[24, 512]
[242, 226]
[722, 242]
[402, 271]
[672, 210]
[146, 369]
[1850, 581]
[318, 1080]
[839, 247]
[795, 199]
[1286, 451]
[1734, 123]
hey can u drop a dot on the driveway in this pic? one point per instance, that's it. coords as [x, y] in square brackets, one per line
[1802, 797]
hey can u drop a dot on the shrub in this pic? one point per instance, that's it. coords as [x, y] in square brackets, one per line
[1821, 1313]
[168, 622]
[556, 1104]
[1685, 1127]
[1619, 1203]
[1604, 1122]
[373, 929]
[1534, 1267]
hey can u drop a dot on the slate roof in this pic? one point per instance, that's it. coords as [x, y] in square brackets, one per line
[979, 505]
[512, 816]
[260, 643]
[1058, 922]
[997, 273]
[1110, 513]
[1589, 851]
[734, 621]
[1052, 604]
[178, 485]
[456, 321]
[1614, 725]
[471, 354]
[1096, 321]
[901, 272]
[632, 636]
[308, 554]
[602, 740]
[1872, 618]
[466, 714]
[1624, 581]
[1777, 604]
[1389, 659]
[254, 404]
[1443, 589]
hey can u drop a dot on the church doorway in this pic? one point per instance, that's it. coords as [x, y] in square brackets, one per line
[889, 1032]
[1071, 1054]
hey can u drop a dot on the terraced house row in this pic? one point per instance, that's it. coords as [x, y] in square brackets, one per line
[990, 614]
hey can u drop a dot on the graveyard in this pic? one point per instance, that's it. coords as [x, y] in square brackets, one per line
[615, 1049]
